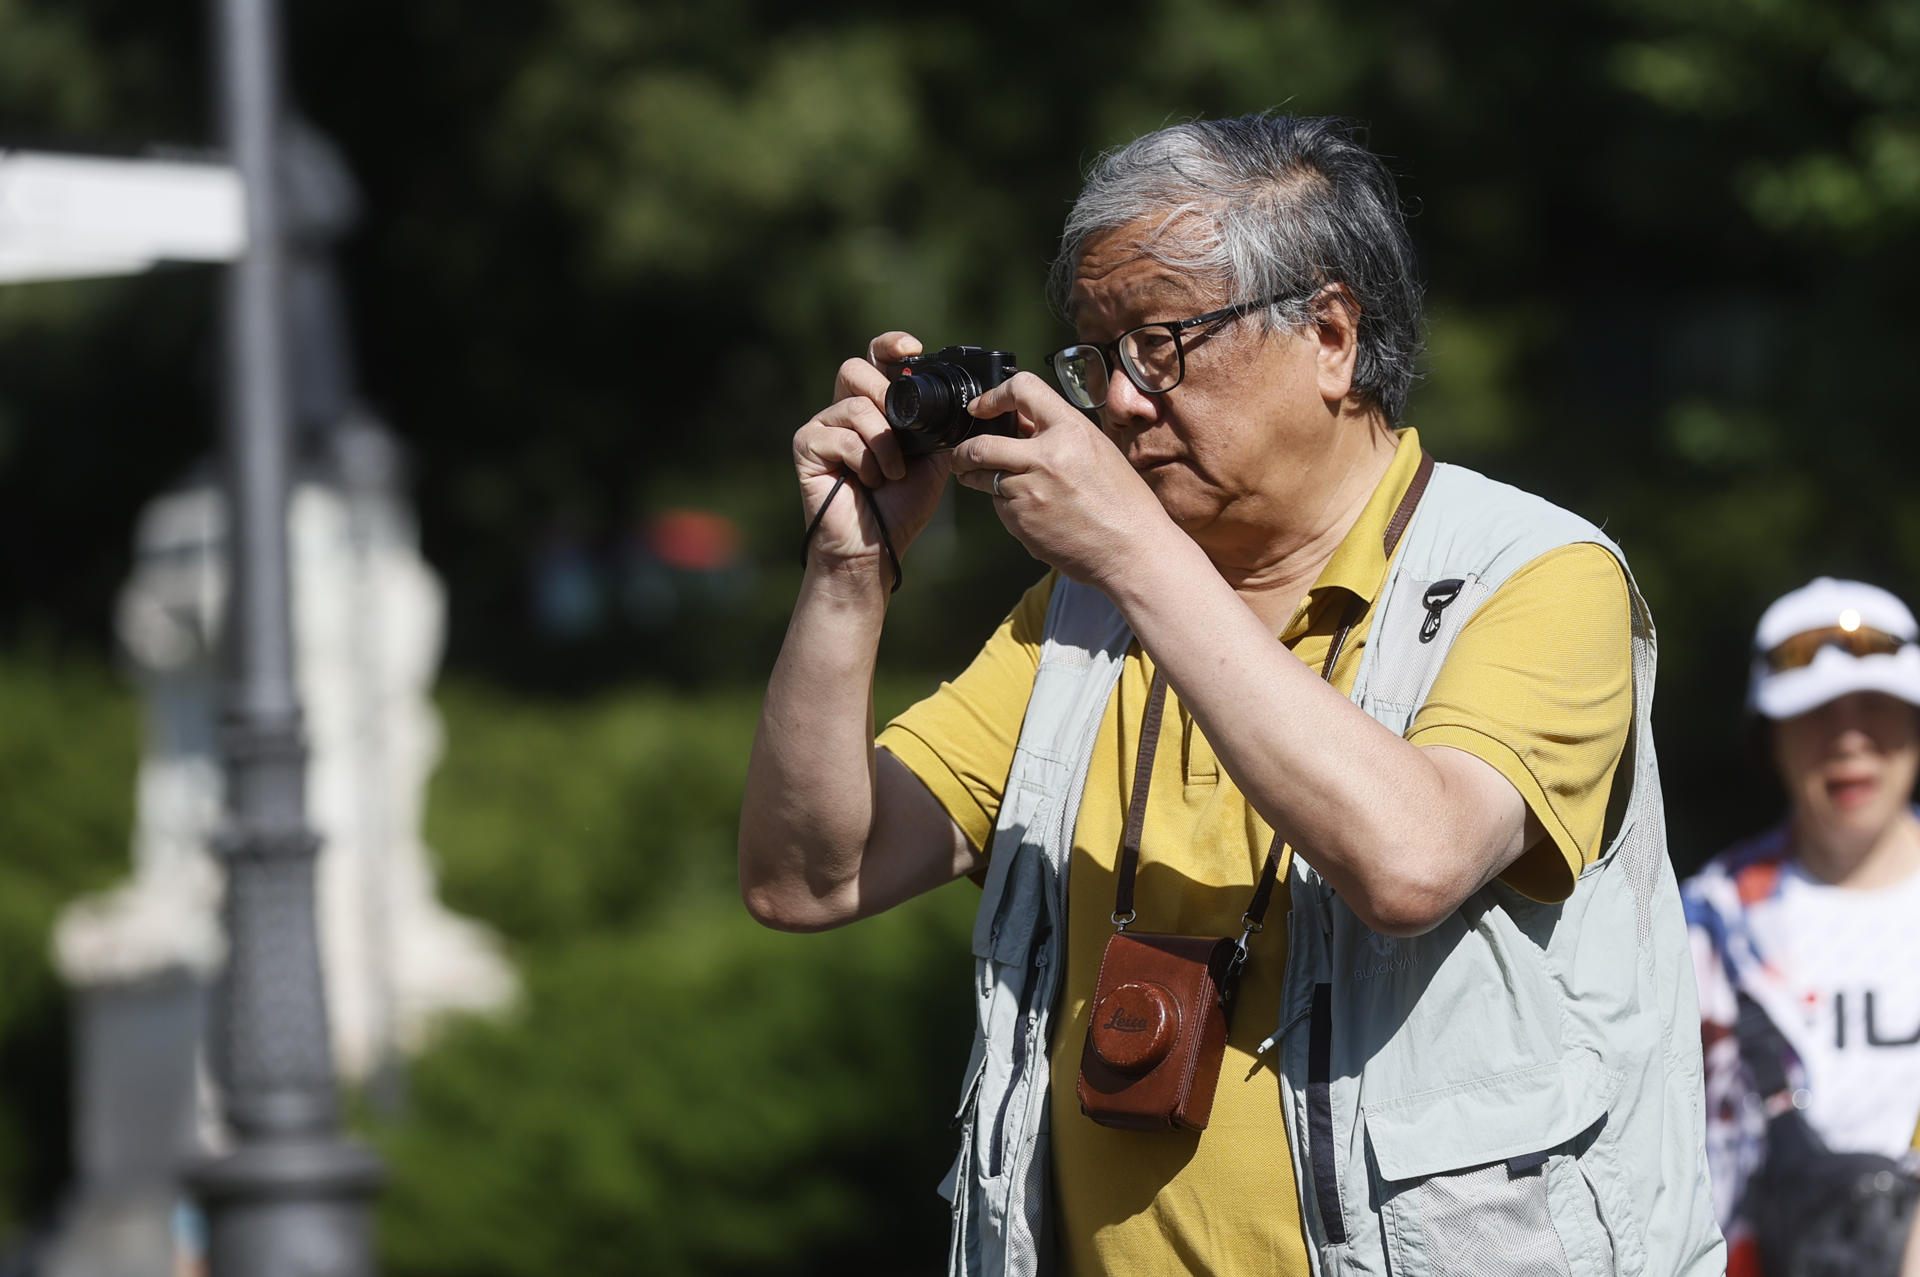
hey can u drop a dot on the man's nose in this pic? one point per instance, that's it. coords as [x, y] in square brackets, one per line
[1127, 404]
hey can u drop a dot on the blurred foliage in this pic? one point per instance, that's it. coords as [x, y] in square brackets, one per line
[636, 810]
[612, 256]
[680, 1091]
[68, 743]
[701, 1097]
[1840, 158]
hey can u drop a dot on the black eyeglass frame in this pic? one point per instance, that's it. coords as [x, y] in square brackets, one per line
[1110, 350]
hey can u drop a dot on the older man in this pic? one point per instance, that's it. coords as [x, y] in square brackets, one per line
[1464, 1041]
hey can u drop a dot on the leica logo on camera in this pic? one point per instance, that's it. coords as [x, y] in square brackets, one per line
[1121, 1022]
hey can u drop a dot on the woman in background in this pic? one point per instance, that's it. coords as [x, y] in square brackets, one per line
[1807, 944]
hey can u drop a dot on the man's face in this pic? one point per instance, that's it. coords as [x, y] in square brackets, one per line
[1849, 766]
[1241, 434]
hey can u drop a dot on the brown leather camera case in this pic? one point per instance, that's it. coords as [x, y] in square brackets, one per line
[1156, 1032]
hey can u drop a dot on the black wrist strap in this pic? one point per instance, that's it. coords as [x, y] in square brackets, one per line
[886, 539]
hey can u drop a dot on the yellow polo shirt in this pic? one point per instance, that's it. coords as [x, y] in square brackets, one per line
[1539, 684]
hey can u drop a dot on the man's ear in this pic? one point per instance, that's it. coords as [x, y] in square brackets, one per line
[1336, 327]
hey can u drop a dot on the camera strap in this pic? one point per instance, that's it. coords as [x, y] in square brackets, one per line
[886, 539]
[1253, 920]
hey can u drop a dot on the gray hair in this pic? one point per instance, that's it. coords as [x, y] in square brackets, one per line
[1265, 206]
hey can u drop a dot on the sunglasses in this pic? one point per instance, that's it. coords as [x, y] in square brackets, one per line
[1855, 640]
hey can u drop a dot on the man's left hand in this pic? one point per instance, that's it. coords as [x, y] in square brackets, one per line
[1065, 491]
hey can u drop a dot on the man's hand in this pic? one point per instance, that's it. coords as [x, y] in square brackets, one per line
[1064, 490]
[852, 435]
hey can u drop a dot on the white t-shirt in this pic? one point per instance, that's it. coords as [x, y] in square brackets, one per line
[1854, 957]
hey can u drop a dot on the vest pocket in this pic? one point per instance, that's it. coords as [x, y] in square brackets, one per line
[1519, 1218]
[1585, 1229]
[1491, 1221]
[1531, 1214]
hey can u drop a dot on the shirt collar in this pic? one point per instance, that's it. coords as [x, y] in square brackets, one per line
[1359, 563]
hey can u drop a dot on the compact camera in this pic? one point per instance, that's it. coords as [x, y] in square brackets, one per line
[927, 402]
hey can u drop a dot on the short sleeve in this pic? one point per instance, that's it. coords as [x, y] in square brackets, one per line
[959, 741]
[1539, 685]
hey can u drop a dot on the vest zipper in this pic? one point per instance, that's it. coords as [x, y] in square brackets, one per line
[1438, 596]
[1019, 1078]
[1326, 1185]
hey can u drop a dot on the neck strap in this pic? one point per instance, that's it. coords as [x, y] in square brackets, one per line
[1253, 919]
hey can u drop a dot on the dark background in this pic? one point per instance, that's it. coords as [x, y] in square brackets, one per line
[610, 257]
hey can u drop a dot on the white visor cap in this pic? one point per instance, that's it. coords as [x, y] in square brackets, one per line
[1834, 672]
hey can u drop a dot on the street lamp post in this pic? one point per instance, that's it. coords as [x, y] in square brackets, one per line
[292, 1198]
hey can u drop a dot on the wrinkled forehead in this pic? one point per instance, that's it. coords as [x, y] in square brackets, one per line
[1126, 274]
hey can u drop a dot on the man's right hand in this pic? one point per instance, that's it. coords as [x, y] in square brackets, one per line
[852, 435]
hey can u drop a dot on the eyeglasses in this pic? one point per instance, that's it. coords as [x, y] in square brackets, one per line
[1855, 639]
[1153, 356]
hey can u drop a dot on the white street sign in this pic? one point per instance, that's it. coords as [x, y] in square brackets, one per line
[69, 216]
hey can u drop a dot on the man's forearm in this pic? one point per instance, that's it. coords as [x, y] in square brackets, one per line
[1375, 814]
[809, 801]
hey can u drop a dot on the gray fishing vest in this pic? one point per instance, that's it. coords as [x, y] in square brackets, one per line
[1518, 1091]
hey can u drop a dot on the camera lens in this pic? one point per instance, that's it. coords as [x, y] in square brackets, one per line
[916, 399]
[929, 403]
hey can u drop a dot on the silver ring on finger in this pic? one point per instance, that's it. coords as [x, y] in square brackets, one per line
[998, 475]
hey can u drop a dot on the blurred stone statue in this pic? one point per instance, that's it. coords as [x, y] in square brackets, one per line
[369, 624]
[369, 617]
